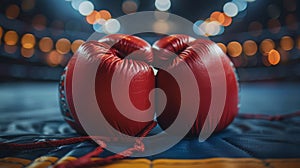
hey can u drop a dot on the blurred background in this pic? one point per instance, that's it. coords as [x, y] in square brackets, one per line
[38, 38]
[261, 37]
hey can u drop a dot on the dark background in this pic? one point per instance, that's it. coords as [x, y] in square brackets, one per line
[29, 97]
[62, 21]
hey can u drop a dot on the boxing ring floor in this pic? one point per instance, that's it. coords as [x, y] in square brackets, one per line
[30, 112]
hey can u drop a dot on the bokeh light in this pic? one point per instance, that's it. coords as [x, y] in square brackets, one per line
[75, 45]
[161, 15]
[28, 41]
[10, 49]
[273, 57]
[63, 46]
[286, 43]
[161, 26]
[54, 58]
[11, 38]
[102, 22]
[75, 3]
[227, 20]
[234, 49]
[105, 14]
[266, 61]
[1, 33]
[255, 28]
[217, 16]
[238, 61]
[12, 11]
[111, 26]
[220, 17]
[129, 6]
[230, 9]
[250, 47]
[162, 5]
[39, 22]
[212, 28]
[27, 5]
[98, 26]
[199, 27]
[298, 42]
[86, 8]
[241, 4]
[93, 17]
[223, 47]
[266, 46]
[222, 29]
[274, 25]
[46, 44]
[27, 52]
[284, 55]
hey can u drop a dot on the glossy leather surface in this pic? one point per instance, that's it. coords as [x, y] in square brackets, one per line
[134, 69]
[192, 52]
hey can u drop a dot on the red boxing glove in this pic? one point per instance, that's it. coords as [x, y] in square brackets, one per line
[124, 59]
[184, 47]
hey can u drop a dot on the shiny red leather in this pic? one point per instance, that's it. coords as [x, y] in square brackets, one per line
[130, 56]
[121, 55]
[184, 46]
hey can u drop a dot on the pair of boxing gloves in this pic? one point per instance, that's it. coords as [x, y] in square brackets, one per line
[130, 59]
